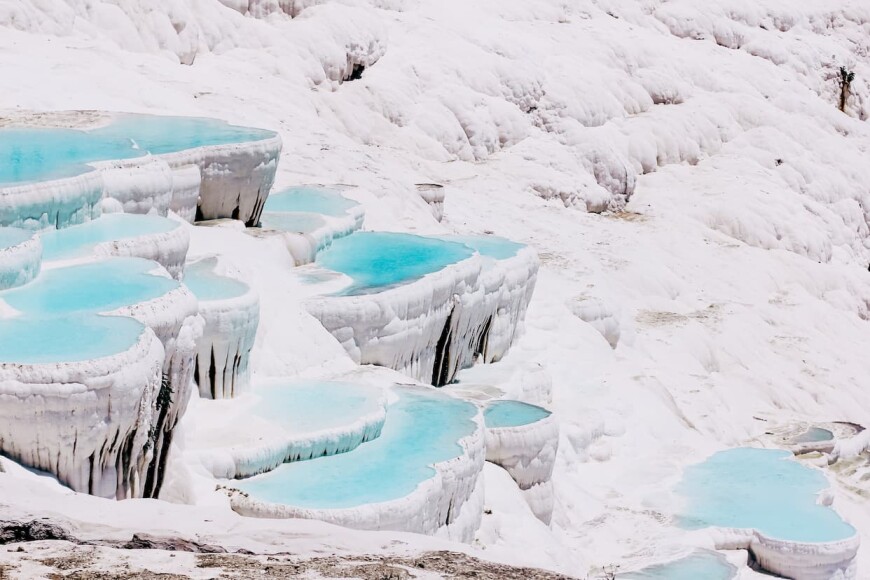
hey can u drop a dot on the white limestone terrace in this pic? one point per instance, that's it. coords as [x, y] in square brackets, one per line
[20, 257]
[59, 373]
[507, 281]
[739, 267]
[64, 297]
[231, 313]
[426, 307]
[281, 421]
[152, 237]
[421, 475]
[524, 439]
[764, 501]
[310, 217]
[64, 163]
[433, 194]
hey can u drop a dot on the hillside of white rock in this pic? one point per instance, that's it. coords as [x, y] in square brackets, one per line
[699, 204]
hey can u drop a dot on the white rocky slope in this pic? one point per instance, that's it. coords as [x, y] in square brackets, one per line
[734, 287]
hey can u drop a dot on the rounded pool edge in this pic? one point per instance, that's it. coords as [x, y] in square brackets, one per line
[20, 257]
[429, 507]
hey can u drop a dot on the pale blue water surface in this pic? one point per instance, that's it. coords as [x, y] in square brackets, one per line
[512, 414]
[422, 428]
[299, 222]
[814, 435]
[40, 154]
[314, 406]
[205, 284]
[37, 340]
[310, 200]
[489, 246]
[700, 565]
[379, 260]
[76, 240]
[762, 489]
[10, 237]
[96, 286]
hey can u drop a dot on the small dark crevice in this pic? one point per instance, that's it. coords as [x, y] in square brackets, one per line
[483, 340]
[212, 374]
[254, 220]
[160, 432]
[91, 460]
[356, 72]
[198, 217]
[449, 512]
[441, 368]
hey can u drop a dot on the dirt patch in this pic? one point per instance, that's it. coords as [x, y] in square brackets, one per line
[430, 564]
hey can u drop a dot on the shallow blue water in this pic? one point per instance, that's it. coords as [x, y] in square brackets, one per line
[13, 236]
[97, 287]
[302, 223]
[76, 240]
[490, 246]
[814, 435]
[512, 414]
[314, 406]
[35, 340]
[378, 260]
[701, 565]
[764, 489]
[309, 199]
[422, 428]
[38, 154]
[205, 284]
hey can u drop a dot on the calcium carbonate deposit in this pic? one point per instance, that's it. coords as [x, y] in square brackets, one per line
[420, 289]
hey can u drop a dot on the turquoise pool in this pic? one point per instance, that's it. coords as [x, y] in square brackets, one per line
[76, 240]
[10, 237]
[309, 200]
[40, 154]
[489, 246]
[762, 489]
[38, 340]
[205, 284]
[97, 287]
[301, 223]
[307, 407]
[814, 435]
[376, 261]
[700, 565]
[422, 428]
[512, 414]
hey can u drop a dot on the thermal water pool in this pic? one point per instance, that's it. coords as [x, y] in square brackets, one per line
[488, 246]
[46, 340]
[814, 435]
[31, 154]
[315, 406]
[287, 421]
[422, 428]
[20, 257]
[761, 489]
[78, 240]
[206, 284]
[302, 223]
[10, 237]
[309, 200]
[699, 565]
[376, 261]
[96, 287]
[505, 413]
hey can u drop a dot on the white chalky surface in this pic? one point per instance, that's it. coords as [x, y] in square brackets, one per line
[728, 296]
